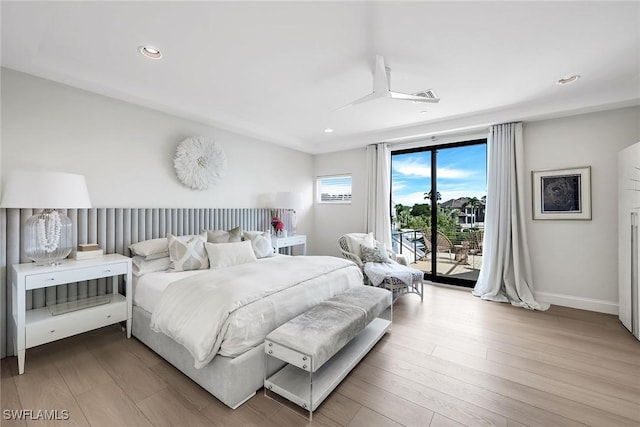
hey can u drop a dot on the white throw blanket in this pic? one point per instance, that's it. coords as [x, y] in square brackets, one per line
[193, 310]
[378, 271]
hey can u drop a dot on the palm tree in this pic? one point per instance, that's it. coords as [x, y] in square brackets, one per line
[427, 196]
[402, 215]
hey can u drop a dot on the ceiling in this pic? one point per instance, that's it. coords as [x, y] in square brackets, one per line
[280, 71]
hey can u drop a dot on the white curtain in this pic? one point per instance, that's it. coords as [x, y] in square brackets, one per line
[505, 275]
[378, 193]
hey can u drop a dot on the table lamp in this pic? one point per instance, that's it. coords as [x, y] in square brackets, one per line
[46, 235]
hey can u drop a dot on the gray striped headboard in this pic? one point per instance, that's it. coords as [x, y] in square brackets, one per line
[114, 229]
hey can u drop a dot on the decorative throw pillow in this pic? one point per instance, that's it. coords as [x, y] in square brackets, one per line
[156, 248]
[260, 242]
[377, 254]
[224, 236]
[224, 255]
[187, 255]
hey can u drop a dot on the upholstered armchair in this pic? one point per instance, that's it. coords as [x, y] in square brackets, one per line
[353, 254]
[391, 272]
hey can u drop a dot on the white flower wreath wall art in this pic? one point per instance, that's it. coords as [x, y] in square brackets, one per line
[199, 161]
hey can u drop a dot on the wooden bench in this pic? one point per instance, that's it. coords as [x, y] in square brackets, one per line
[322, 345]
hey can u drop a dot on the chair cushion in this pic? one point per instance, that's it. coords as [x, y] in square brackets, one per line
[377, 254]
[377, 272]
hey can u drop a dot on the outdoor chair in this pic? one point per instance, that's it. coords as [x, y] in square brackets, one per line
[473, 243]
[391, 272]
[443, 244]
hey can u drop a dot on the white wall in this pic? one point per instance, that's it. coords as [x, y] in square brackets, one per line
[575, 262]
[126, 151]
[334, 220]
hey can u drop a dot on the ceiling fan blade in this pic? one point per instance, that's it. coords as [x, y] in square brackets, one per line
[415, 98]
[380, 78]
[367, 98]
[381, 88]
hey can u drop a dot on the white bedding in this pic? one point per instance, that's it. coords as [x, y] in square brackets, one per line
[230, 311]
[148, 289]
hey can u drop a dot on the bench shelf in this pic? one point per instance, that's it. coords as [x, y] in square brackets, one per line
[309, 389]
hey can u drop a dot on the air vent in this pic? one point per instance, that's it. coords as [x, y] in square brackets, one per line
[429, 93]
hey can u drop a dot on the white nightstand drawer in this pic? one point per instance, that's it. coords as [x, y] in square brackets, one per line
[53, 328]
[35, 281]
[296, 240]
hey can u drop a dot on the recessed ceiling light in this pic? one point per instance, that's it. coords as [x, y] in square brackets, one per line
[569, 79]
[150, 52]
[423, 112]
[328, 130]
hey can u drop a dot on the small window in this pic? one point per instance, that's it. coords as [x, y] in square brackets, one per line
[334, 189]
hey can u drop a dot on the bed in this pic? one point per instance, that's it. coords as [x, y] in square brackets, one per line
[247, 300]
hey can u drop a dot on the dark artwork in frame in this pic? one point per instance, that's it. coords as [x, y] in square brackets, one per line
[561, 193]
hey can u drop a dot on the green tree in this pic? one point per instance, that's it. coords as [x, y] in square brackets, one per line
[427, 196]
[419, 222]
[421, 209]
[402, 215]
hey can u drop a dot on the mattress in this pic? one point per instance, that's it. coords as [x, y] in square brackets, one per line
[147, 289]
[248, 326]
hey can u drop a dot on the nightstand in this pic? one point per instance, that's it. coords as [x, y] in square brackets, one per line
[54, 322]
[289, 241]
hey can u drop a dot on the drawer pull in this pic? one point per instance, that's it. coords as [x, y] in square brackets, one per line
[107, 271]
[52, 331]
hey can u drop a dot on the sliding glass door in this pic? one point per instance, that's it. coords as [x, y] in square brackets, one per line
[438, 199]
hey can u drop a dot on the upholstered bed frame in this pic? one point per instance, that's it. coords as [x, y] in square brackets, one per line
[114, 229]
[232, 380]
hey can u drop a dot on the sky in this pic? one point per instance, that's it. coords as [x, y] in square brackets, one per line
[461, 172]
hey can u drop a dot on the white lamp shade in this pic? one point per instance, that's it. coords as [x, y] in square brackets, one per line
[288, 200]
[45, 190]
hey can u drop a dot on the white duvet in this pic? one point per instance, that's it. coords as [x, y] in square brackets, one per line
[240, 305]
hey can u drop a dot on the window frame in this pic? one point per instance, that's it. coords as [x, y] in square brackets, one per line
[318, 197]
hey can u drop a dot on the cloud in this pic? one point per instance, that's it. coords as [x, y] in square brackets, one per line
[449, 173]
[412, 167]
[416, 168]
[398, 185]
[409, 199]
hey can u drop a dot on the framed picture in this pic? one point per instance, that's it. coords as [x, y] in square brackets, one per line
[562, 193]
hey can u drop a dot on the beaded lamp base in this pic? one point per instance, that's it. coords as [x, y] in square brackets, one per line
[47, 237]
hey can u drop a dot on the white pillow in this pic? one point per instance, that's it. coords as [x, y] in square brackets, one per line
[260, 242]
[156, 248]
[142, 265]
[189, 255]
[360, 239]
[151, 257]
[222, 255]
[150, 247]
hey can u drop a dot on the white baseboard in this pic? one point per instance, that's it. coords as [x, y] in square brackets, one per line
[601, 306]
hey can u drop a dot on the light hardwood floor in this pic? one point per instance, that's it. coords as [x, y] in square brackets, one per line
[453, 360]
